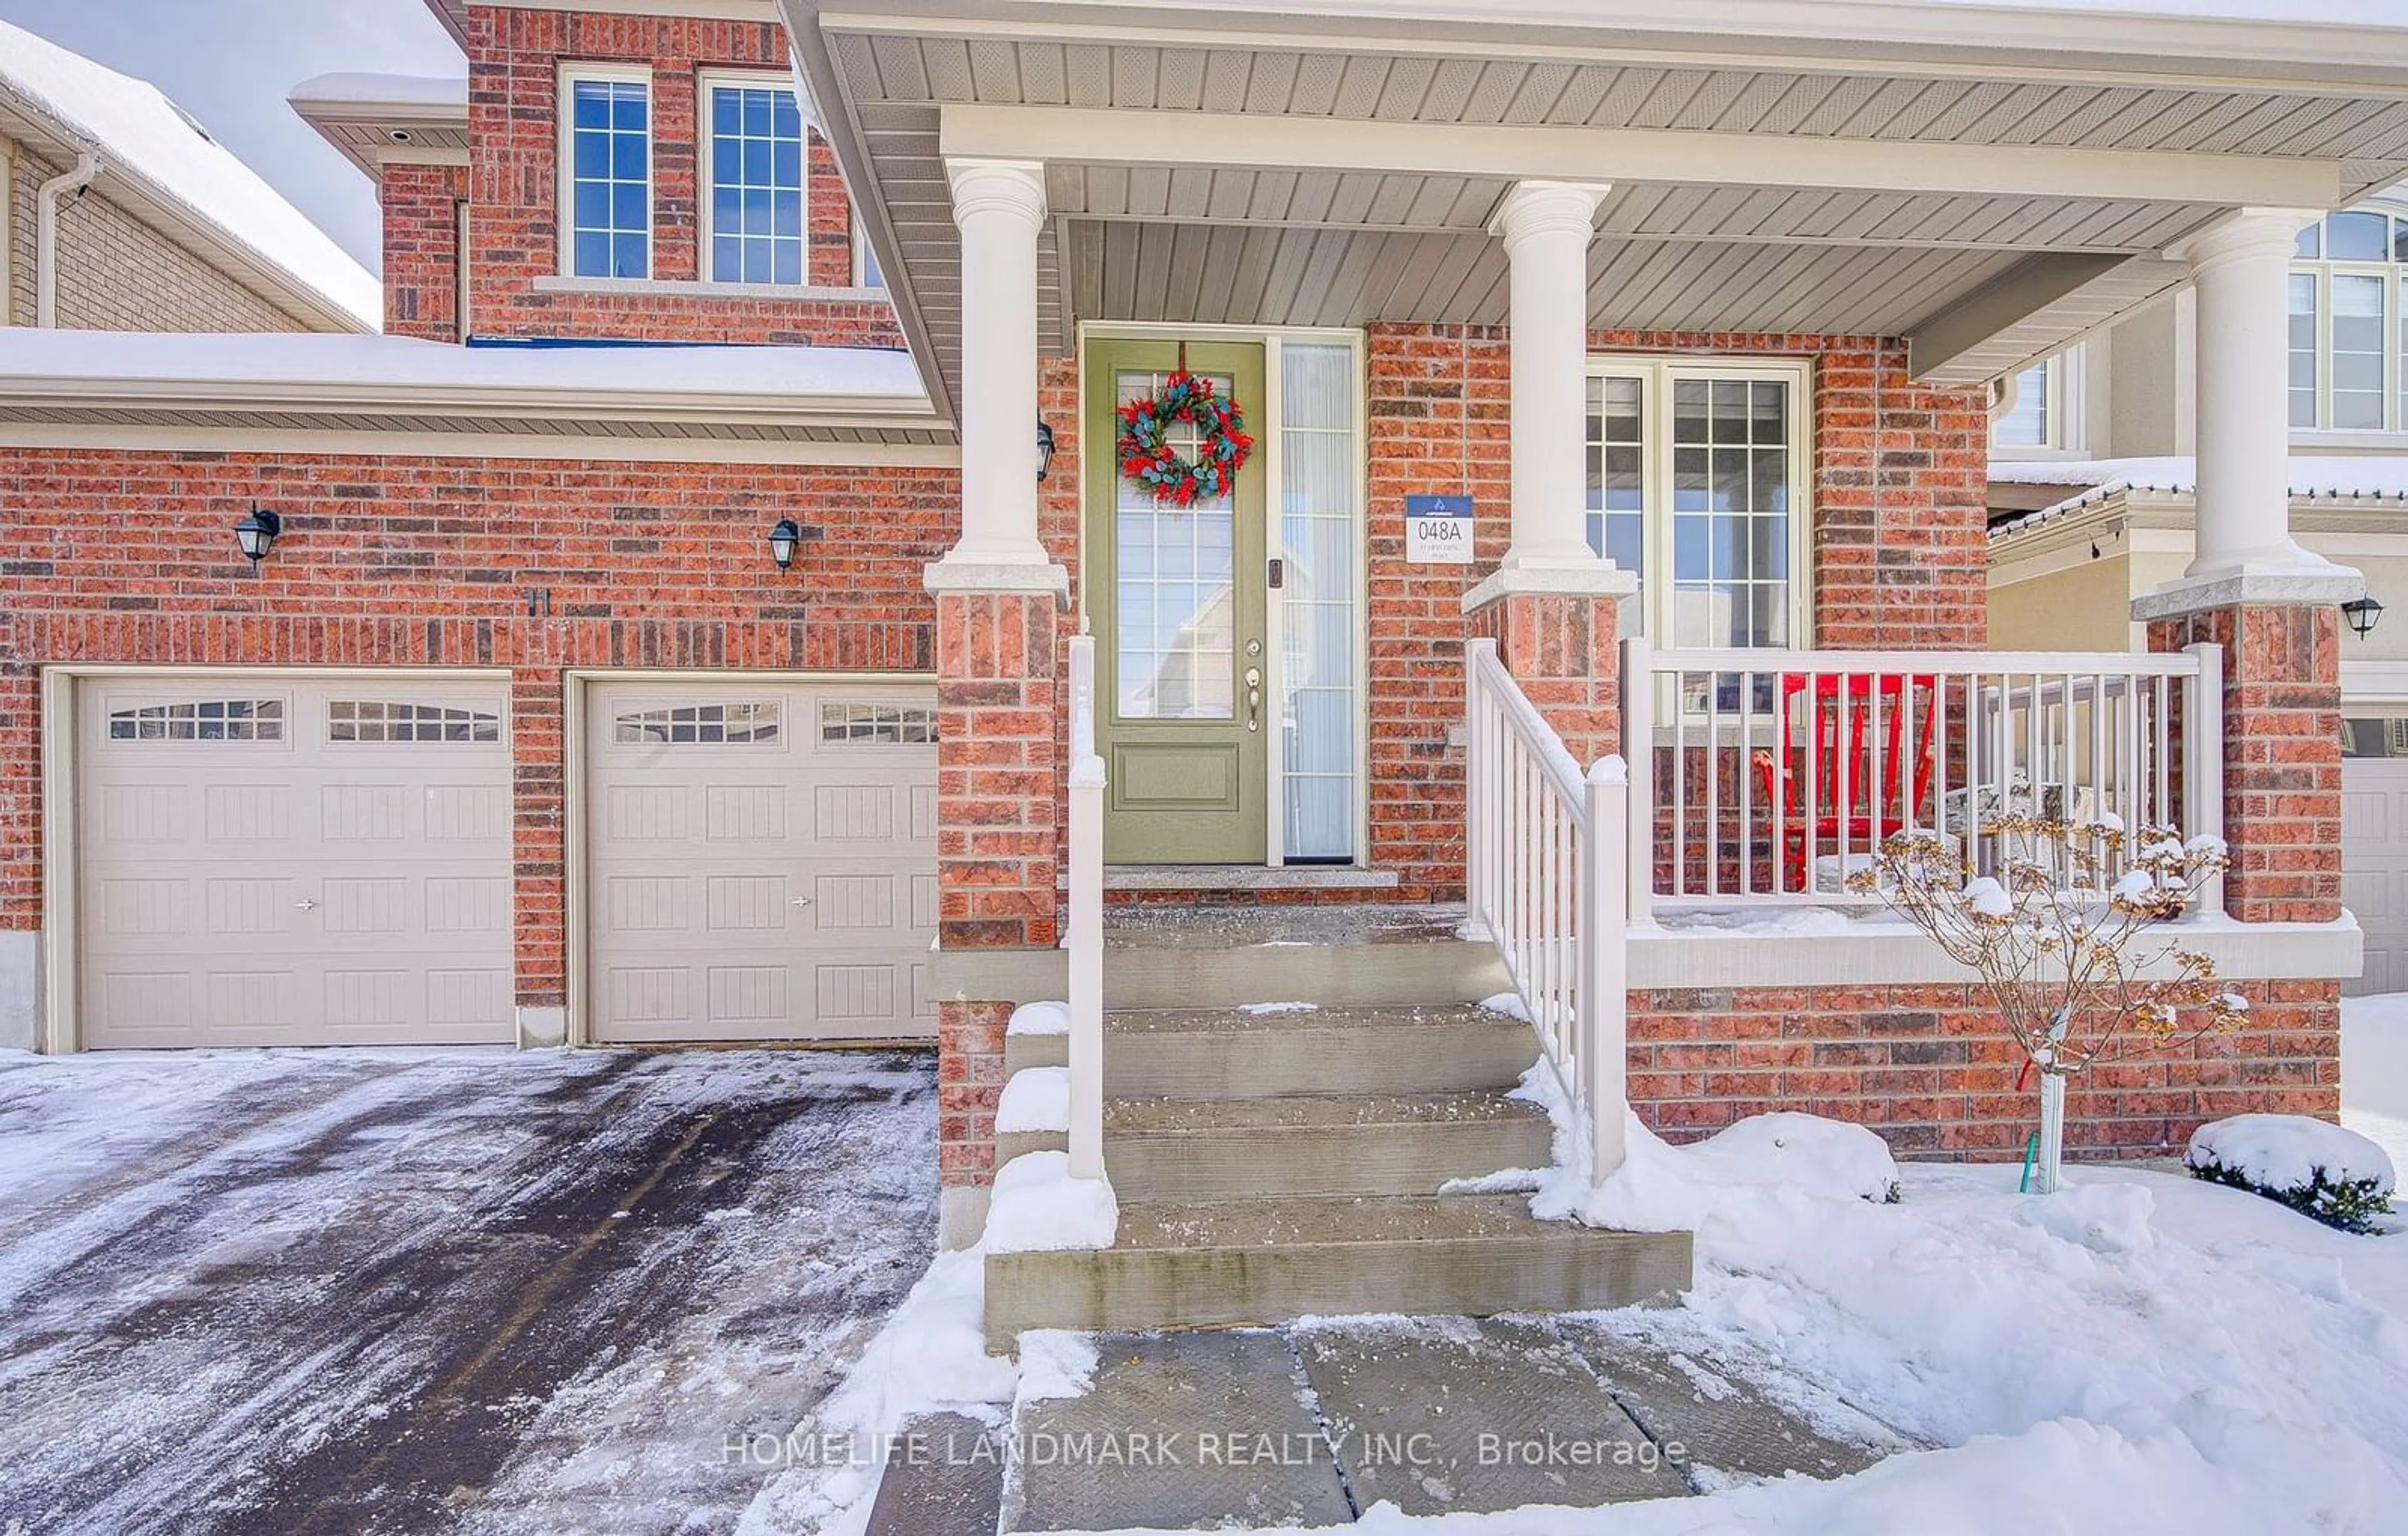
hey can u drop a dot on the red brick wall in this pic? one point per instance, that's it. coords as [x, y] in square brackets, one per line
[2281, 754]
[422, 249]
[514, 147]
[420, 561]
[1930, 1069]
[1899, 559]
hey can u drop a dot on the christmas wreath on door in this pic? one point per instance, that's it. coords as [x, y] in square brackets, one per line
[1148, 463]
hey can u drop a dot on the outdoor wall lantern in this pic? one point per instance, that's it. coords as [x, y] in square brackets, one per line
[2363, 613]
[1044, 448]
[784, 540]
[256, 533]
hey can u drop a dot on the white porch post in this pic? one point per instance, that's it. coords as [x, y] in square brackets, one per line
[998, 205]
[2244, 551]
[1547, 227]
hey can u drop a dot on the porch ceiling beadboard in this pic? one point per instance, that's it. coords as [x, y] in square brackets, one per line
[1152, 221]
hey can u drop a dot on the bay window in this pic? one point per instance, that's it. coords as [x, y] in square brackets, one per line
[2349, 323]
[1697, 477]
[754, 152]
[607, 188]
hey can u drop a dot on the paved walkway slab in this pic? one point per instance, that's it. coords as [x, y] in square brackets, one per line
[1440, 1414]
[943, 1477]
[1179, 1432]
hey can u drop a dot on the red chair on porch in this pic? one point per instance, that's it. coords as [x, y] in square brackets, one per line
[1820, 786]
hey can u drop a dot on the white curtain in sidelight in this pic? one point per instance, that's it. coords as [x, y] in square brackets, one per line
[1318, 485]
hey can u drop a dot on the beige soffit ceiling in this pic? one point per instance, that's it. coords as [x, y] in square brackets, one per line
[382, 120]
[1994, 190]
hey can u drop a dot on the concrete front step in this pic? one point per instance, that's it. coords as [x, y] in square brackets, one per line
[1367, 954]
[1206, 1149]
[1234, 1054]
[1234, 1264]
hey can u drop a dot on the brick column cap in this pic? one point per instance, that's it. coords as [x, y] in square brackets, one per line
[2306, 586]
[1011, 576]
[1571, 578]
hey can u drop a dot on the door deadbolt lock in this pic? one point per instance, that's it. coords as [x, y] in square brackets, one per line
[1254, 647]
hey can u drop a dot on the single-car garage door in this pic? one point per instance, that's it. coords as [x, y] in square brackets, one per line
[2375, 846]
[294, 862]
[760, 860]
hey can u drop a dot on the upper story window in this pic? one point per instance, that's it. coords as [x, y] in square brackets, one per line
[2044, 413]
[2349, 324]
[754, 162]
[606, 145]
[1696, 482]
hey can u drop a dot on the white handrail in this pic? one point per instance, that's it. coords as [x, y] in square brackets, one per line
[1086, 938]
[1545, 851]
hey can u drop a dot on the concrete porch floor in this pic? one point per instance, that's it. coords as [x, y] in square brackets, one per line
[1316, 1422]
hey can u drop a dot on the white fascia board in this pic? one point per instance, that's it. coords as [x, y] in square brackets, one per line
[2042, 42]
[398, 442]
[584, 403]
[1109, 135]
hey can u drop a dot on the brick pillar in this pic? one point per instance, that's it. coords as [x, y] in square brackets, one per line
[538, 853]
[998, 849]
[1564, 648]
[2282, 753]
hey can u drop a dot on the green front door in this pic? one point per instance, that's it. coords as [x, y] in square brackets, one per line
[1175, 597]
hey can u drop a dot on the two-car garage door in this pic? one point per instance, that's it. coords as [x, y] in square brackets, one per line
[327, 860]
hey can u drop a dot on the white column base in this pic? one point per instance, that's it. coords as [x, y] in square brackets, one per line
[21, 965]
[961, 1215]
[1588, 577]
[2314, 583]
[977, 573]
[542, 1028]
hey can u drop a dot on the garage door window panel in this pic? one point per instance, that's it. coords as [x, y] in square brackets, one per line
[361, 720]
[200, 719]
[751, 723]
[887, 724]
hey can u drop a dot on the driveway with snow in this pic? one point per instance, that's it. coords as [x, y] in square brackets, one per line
[367, 1291]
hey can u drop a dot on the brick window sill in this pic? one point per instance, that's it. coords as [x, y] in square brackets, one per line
[661, 288]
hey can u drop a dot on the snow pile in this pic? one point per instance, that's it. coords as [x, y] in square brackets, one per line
[931, 1357]
[1260, 1009]
[1054, 1363]
[1039, 1208]
[2335, 1175]
[1508, 1003]
[1034, 1098]
[2374, 1070]
[1039, 1018]
[1766, 1169]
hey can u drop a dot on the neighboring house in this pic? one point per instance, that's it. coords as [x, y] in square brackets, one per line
[123, 214]
[2092, 478]
[666, 637]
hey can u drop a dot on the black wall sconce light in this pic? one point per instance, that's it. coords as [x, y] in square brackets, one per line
[256, 533]
[783, 541]
[2363, 613]
[1044, 448]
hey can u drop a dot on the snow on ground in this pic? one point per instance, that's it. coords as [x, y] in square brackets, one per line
[393, 1290]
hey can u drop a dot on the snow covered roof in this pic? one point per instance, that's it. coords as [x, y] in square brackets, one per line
[2313, 477]
[359, 89]
[67, 359]
[147, 139]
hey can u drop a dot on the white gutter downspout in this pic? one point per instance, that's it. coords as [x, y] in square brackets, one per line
[45, 237]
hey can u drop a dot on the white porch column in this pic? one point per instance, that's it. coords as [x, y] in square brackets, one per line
[2243, 549]
[1547, 227]
[1000, 206]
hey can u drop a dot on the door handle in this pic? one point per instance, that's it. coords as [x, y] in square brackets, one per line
[801, 901]
[304, 904]
[1254, 698]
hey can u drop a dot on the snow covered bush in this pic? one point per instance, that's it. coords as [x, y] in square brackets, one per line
[2057, 931]
[2321, 1171]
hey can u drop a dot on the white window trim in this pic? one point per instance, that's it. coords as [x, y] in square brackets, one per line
[1655, 474]
[860, 254]
[2393, 432]
[565, 155]
[706, 150]
[2062, 412]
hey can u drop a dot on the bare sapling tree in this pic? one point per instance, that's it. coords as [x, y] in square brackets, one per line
[2060, 933]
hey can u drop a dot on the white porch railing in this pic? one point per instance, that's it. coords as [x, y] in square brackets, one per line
[1086, 938]
[1545, 859]
[1769, 777]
